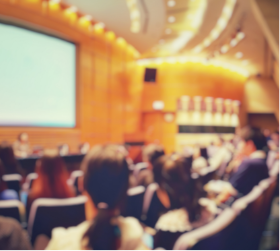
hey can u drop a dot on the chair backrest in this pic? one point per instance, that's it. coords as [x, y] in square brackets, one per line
[73, 180]
[271, 156]
[188, 240]
[238, 227]
[12, 208]
[134, 202]
[138, 167]
[29, 181]
[47, 214]
[13, 181]
[254, 211]
[151, 189]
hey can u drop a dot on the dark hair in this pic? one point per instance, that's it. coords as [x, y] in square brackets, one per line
[9, 161]
[152, 152]
[52, 177]
[177, 182]
[106, 180]
[3, 184]
[254, 134]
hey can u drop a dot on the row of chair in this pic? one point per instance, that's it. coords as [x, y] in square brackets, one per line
[239, 226]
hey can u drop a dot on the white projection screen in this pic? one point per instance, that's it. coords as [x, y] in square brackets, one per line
[37, 79]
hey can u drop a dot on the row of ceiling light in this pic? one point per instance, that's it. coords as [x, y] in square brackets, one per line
[86, 21]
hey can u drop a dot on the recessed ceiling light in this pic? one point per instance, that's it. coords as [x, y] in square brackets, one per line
[207, 42]
[240, 35]
[168, 31]
[171, 3]
[239, 55]
[224, 49]
[171, 19]
[233, 42]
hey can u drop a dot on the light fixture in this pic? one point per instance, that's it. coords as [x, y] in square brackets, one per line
[158, 105]
[233, 42]
[54, 4]
[135, 16]
[240, 35]
[239, 55]
[171, 19]
[207, 42]
[245, 62]
[171, 3]
[224, 48]
[219, 27]
[168, 31]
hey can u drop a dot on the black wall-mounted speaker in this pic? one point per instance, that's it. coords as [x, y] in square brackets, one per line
[150, 75]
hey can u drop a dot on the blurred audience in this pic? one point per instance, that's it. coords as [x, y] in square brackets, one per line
[21, 146]
[150, 154]
[5, 193]
[12, 236]
[52, 179]
[106, 181]
[9, 161]
[181, 195]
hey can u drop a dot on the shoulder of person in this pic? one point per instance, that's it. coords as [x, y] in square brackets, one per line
[132, 233]
[174, 221]
[70, 238]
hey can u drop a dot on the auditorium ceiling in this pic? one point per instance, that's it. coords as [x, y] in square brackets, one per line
[219, 31]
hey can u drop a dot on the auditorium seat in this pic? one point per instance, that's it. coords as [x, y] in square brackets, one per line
[271, 157]
[73, 180]
[29, 180]
[14, 209]
[152, 206]
[46, 214]
[13, 181]
[238, 227]
[134, 202]
[139, 167]
[199, 235]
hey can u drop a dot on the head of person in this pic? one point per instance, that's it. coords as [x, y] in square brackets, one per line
[52, 177]
[254, 140]
[106, 177]
[23, 137]
[8, 158]
[151, 153]
[176, 181]
[266, 133]
[275, 137]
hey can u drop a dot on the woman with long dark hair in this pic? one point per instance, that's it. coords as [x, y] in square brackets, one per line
[106, 182]
[183, 195]
[51, 181]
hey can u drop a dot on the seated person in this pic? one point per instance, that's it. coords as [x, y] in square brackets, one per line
[252, 169]
[9, 161]
[106, 182]
[187, 210]
[150, 154]
[12, 236]
[5, 193]
[52, 179]
[21, 146]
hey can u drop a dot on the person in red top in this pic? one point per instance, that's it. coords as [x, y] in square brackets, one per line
[51, 181]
